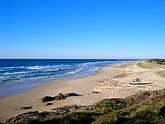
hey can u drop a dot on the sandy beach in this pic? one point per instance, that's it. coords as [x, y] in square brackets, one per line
[108, 82]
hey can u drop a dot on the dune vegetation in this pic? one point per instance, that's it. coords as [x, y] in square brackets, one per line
[143, 108]
[157, 61]
[150, 63]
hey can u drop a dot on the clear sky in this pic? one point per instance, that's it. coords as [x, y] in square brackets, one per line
[82, 28]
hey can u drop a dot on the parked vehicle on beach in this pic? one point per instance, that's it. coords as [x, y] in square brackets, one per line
[136, 81]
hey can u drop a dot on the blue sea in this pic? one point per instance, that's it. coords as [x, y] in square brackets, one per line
[18, 75]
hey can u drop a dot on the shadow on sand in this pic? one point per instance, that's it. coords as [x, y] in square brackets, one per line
[142, 84]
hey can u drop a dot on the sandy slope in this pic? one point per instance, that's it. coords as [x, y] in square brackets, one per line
[110, 82]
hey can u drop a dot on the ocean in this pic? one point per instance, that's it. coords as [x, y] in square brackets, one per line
[18, 75]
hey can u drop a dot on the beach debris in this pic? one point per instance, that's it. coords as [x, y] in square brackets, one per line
[48, 98]
[48, 104]
[60, 96]
[95, 92]
[136, 81]
[72, 94]
[25, 108]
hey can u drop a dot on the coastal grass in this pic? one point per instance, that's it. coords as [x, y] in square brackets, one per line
[157, 61]
[145, 65]
[161, 73]
[148, 111]
[150, 63]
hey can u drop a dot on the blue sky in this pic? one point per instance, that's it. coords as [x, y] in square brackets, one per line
[82, 29]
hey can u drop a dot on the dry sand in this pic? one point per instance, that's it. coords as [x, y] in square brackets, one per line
[109, 82]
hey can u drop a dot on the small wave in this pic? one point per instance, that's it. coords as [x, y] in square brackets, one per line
[95, 63]
[1, 70]
[19, 67]
[36, 78]
[2, 77]
[16, 73]
[36, 67]
[75, 71]
[41, 67]
[51, 70]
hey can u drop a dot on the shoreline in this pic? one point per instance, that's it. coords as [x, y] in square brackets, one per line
[23, 88]
[54, 81]
[108, 82]
[58, 81]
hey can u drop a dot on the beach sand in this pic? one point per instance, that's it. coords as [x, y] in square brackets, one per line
[109, 82]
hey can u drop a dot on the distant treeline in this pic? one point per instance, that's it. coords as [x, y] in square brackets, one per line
[158, 61]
